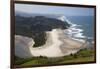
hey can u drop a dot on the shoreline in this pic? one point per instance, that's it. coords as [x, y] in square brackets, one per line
[57, 45]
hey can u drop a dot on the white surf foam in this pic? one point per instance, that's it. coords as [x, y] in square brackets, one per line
[74, 30]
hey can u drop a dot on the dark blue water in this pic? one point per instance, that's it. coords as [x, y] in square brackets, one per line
[86, 22]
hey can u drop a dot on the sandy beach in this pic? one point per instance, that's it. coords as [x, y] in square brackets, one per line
[57, 45]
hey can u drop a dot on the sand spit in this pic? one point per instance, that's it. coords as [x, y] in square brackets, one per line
[57, 45]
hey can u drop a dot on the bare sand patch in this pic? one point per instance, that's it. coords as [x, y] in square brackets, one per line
[57, 45]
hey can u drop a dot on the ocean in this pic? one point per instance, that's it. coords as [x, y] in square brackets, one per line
[86, 24]
[82, 27]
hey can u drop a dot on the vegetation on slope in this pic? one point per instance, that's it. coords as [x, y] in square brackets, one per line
[35, 27]
[85, 55]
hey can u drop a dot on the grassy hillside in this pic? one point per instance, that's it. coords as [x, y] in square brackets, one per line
[85, 55]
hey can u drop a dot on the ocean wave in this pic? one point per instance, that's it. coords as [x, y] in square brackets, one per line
[75, 31]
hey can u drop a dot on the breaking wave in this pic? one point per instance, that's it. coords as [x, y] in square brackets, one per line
[74, 30]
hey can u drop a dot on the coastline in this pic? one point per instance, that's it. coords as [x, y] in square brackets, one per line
[57, 45]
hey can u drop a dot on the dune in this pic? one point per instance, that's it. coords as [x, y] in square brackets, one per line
[57, 45]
